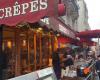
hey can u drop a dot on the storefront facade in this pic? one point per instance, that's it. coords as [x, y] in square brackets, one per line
[28, 45]
[27, 49]
[66, 35]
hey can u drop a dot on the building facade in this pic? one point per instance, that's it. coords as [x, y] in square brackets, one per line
[71, 14]
[22, 37]
[76, 16]
[82, 22]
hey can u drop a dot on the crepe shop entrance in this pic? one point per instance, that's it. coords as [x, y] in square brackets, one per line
[28, 46]
[28, 49]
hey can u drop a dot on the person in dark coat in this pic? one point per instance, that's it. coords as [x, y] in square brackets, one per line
[69, 60]
[98, 66]
[56, 64]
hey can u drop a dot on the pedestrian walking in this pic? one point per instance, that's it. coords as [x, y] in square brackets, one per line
[98, 66]
[56, 64]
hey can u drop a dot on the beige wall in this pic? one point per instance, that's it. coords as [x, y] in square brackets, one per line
[82, 23]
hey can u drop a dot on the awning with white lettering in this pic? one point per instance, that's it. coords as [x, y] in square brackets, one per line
[61, 27]
[13, 12]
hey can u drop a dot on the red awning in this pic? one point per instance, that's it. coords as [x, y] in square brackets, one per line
[89, 34]
[64, 40]
[89, 42]
[13, 12]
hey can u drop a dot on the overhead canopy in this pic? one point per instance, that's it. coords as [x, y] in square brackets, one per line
[89, 34]
[13, 12]
[89, 42]
[82, 41]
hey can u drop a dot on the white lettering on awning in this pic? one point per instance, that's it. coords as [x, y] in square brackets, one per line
[18, 9]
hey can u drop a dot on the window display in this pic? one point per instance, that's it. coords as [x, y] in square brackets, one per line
[8, 47]
[27, 49]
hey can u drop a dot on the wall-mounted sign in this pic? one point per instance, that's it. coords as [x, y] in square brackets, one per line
[66, 31]
[63, 29]
[60, 26]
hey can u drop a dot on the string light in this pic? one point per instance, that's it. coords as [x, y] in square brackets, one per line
[58, 34]
[9, 44]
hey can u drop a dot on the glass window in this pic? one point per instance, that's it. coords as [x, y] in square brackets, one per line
[8, 47]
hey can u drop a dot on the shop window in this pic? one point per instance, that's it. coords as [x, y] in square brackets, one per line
[27, 50]
[45, 50]
[24, 52]
[8, 47]
[38, 50]
[31, 50]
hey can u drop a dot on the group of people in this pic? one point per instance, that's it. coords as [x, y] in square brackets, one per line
[63, 58]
